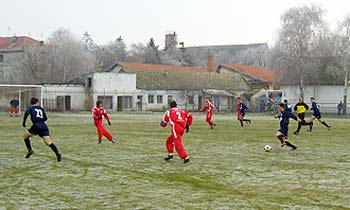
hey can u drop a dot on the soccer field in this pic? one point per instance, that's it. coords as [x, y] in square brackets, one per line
[229, 168]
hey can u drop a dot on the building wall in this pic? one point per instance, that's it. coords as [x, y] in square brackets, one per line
[52, 95]
[9, 74]
[328, 96]
[110, 86]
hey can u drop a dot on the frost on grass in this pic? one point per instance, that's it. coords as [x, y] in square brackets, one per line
[228, 168]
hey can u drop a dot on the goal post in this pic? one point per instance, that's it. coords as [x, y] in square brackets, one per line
[22, 92]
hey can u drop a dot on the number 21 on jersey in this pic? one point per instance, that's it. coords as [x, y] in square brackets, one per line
[39, 113]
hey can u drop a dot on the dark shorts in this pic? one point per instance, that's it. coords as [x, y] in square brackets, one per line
[301, 116]
[39, 129]
[284, 131]
[317, 115]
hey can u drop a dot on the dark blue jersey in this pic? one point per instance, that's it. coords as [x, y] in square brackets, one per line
[243, 108]
[37, 114]
[315, 108]
[14, 102]
[284, 118]
[288, 107]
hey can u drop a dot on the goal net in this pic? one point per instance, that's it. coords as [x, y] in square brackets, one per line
[21, 92]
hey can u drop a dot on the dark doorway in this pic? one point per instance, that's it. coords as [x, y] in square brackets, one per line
[67, 101]
[139, 103]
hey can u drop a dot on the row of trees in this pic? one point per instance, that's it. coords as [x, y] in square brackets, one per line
[67, 56]
[307, 51]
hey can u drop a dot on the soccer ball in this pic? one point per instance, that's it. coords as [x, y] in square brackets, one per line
[267, 148]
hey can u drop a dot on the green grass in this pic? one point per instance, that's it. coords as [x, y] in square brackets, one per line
[228, 170]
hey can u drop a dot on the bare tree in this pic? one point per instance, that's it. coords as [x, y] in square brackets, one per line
[60, 60]
[342, 40]
[68, 58]
[294, 48]
[107, 55]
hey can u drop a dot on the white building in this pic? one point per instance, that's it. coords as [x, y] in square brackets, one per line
[327, 96]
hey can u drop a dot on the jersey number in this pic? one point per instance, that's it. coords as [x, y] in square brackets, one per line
[178, 115]
[39, 113]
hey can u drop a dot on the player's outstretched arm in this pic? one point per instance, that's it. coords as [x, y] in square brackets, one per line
[25, 117]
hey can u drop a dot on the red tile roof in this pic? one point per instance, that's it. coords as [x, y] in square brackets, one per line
[16, 42]
[157, 67]
[259, 72]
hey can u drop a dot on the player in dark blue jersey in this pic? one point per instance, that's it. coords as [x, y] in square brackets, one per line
[38, 118]
[316, 114]
[284, 122]
[241, 110]
[287, 105]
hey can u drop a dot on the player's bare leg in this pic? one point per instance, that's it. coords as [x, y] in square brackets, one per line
[280, 137]
[324, 123]
[49, 143]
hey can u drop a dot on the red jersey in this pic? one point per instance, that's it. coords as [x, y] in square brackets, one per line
[99, 114]
[177, 116]
[238, 106]
[208, 106]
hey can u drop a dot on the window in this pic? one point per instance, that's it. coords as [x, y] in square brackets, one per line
[124, 102]
[1, 58]
[191, 99]
[159, 99]
[107, 101]
[150, 99]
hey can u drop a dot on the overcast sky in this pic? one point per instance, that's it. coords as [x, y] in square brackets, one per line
[197, 22]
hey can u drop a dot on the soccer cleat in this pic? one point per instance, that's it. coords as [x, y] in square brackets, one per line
[29, 153]
[296, 133]
[59, 157]
[169, 157]
[186, 160]
[99, 142]
[293, 147]
[114, 141]
[329, 128]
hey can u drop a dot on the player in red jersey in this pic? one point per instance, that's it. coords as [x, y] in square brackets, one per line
[179, 121]
[98, 112]
[210, 108]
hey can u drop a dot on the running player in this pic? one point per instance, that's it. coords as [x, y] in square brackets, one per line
[38, 118]
[179, 121]
[284, 122]
[98, 113]
[241, 109]
[301, 109]
[210, 108]
[316, 114]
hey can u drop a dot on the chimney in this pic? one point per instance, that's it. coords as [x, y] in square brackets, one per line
[210, 64]
[13, 39]
[170, 40]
